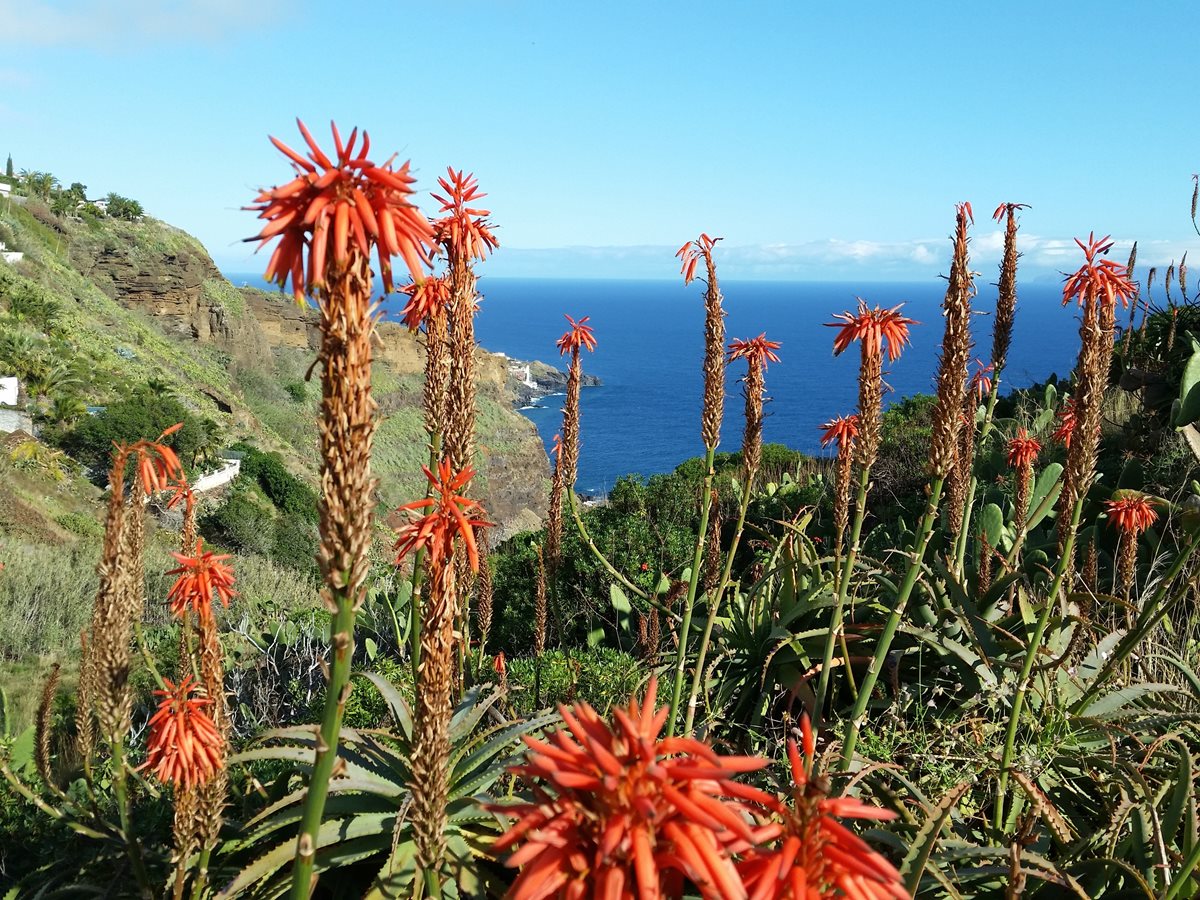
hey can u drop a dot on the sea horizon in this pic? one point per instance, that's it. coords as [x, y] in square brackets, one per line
[644, 418]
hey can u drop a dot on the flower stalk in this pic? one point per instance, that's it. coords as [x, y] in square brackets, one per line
[711, 416]
[947, 418]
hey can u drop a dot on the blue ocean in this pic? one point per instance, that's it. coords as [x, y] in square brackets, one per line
[645, 418]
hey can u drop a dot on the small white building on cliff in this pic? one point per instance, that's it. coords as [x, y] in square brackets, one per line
[12, 416]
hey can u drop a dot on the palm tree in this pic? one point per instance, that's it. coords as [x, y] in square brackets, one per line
[67, 409]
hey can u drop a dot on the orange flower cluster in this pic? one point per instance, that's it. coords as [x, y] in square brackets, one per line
[579, 337]
[185, 748]
[157, 465]
[1067, 420]
[448, 516]
[464, 232]
[631, 815]
[692, 252]
[339, 206]
[199, 577]
[981, 381]
[842, 431]
[427, 298]
[625, 814]
[1023, 450]
[755, 349]
[818, 856]
[877, 328]
[1131, 512]
[1096, 278]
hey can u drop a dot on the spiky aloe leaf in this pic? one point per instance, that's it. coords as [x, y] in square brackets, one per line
[1116, 704]
[1045, 808]
[919, 850]
[396, 704]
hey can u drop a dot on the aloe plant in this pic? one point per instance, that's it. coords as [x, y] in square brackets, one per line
[365, 818]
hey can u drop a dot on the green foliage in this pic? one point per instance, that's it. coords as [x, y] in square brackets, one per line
[143, 416]
[365, 816]
[297, 390]
[288, 493]
[77, 523]
[600, 676]
[242, 523]
[123, 208]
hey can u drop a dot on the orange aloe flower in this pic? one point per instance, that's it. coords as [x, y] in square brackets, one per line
[199, 577]
[464, 231]
[181, 492]
[580, 336]
[1023, 450]
[1067, 420]
[619, 812]
[157, 464]
[427, 297]
[842, 431]
[1004, 209]
[874, 327]
[755, 349]
[981, 381]
[1097, 278]
[335, 206]
[557, 448]
[448, 515]
[692, 252]
[185, 748]
[1131, 512]
[818, 856]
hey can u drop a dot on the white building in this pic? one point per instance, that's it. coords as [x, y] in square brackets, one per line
[5, 190]
[10, 256]
[12, 416]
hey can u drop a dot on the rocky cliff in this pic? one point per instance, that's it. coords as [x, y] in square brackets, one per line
[170, 278]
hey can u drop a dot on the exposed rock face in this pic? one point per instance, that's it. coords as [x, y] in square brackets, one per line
[169, 276]
[531, 381]
[180, 287]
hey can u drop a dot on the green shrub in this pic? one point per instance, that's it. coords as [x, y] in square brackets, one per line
[242, 524]
[144, 416]
[297, 390]
[600, 676]
[84, 526]
[290, 495]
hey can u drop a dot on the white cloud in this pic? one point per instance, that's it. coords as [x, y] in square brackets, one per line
[832, 259]
[109, 25]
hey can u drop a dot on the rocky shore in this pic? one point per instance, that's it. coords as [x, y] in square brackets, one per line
[530, 381]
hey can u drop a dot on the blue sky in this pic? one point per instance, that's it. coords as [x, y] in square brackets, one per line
[822, 140]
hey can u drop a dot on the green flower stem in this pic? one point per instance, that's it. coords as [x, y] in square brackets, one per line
[1023, 531]
[714, 606]
[591, 544]
[839, 603]
[121, 789]
[52, 811]
[1031, 654]
[147, 656]
[685, 626]
[201, 874]
[1184, 876]
[342, 645]
[1152, 613]
[960, 550]
[850, 740]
